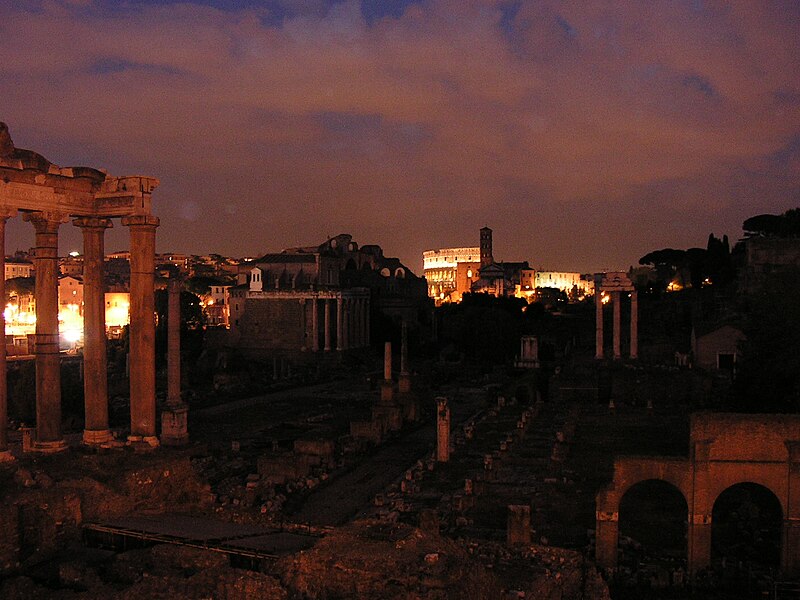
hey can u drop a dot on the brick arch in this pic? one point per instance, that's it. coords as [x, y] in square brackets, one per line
[628, 472]
[776, 488]
[725, 449]
[784, 555]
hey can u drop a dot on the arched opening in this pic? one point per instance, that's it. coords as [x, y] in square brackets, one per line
[653, 517]
[746, 526]
[350, 265]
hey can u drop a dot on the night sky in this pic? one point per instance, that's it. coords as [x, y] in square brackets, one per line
[585, 133]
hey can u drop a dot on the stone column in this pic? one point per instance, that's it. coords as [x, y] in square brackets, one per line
[387, 391]
[5, 453]
[598, 302]
[175, 418]
[347, 340]
[95, 380]
[339, 328]
[142, 328]
[404, 383]
[634, 324]
[442, 430]
[616, 299]
[48, 364]
[700, 509]
[518, 527]
[606, 537]
[314, 325]
[367, 322]
[327, 325]
[362, 323]
[790, 546]
[174, 342]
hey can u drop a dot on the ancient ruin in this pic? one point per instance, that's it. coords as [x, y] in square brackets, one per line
[615, 284]
[47, 196]
[725, 450]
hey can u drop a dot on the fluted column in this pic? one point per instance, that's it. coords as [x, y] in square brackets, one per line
[367, 322]
[339, 328]
[48, 365]
[95, 377]
[314, 325]
[327, 325]
[5, 453]
[142, 328]
[347, 325]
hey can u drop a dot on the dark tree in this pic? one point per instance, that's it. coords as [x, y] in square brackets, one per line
[785, 225]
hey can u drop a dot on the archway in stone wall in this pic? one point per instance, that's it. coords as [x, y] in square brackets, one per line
[653, 516]
[746, 524]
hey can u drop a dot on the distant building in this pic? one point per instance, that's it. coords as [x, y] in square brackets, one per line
[766, 256]
[450, 272]
[717, 347]
[18, 268]
[312, 299]
[575, 285]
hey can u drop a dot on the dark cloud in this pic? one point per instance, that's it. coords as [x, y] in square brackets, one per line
[584, 133]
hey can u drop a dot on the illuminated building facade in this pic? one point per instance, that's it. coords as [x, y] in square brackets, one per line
[18, 268]
[576, 285]
[450, 272]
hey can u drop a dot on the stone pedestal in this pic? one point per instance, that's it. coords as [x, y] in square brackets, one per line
[390, 417]
[174, 426]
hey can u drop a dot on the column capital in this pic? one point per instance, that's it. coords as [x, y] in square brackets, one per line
[7, 213]
[141, 221]
[45, 221]
[92, 223]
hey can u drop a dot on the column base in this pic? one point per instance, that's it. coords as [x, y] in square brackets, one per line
[49, 447]
[96, 437]
[6, 456]
[143, 442]
[174, 426]
[404, 383]
[387, 392]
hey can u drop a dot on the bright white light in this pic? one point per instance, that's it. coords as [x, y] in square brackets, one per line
[72, 335]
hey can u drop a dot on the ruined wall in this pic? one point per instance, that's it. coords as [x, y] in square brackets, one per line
[745, 437]
[272, 324]
[43, 511]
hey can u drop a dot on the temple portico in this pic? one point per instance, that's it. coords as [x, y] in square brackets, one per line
[48, 196]
[615, 284]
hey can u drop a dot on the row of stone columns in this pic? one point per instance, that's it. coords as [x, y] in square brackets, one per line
[352, 323]
[617, 345]
[46, 347]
